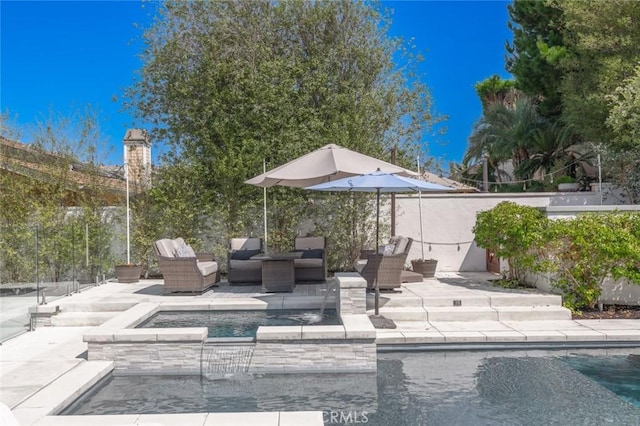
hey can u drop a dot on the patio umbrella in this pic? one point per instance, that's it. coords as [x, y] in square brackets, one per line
[325, 164]
[378, 182]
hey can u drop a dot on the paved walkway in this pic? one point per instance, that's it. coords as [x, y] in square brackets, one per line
[32, 364]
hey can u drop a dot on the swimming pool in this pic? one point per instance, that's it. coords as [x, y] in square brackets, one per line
[410, 388]
[240, 323]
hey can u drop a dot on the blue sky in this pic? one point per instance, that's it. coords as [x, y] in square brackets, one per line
[62, 56]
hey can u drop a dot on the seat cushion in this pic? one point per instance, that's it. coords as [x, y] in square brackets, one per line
[244, 254]
[251, 243]
[307, 263]
[360, 264]
[207, 268]
[401, 245]
[166, 247]
[245, 265]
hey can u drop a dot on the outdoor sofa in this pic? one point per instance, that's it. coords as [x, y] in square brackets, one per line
[383, 268]
[240, 268]
[312, 265]
[182, 269]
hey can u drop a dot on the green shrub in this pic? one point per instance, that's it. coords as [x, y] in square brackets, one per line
[513, 232]
[583, 252]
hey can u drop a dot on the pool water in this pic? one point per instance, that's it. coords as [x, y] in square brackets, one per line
[410, 388]
[621, 375]
[240, 323]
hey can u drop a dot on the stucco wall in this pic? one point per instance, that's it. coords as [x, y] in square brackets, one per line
[449, 218]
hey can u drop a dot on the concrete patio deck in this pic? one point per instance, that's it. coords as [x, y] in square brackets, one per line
[36, 367]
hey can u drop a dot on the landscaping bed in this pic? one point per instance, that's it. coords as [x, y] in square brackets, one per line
[610, 312]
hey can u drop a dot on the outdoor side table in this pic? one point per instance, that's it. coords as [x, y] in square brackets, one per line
[278, 273]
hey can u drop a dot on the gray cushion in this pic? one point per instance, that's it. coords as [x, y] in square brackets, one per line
[307, 263]
[360, 264]
[401, 245]
[207, 268]
[166, 247]
[303, 243]
[251, 243]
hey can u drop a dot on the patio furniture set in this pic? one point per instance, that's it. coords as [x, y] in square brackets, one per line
[247, 264]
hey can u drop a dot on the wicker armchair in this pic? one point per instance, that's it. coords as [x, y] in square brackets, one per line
[384, 271]
[240, 268]
[185, 274]
[312, 266]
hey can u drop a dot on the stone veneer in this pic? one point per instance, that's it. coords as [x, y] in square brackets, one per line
[349, 347]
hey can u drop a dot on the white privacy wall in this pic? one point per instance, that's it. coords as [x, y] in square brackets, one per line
[449, 218]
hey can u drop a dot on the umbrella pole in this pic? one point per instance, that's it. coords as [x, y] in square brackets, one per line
[377, 302]
[264, 196]
[420, 211]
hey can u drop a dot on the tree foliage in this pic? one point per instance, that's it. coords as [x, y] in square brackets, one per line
[36, 202]
[580, 253]
[538, 46]
[586, 250]
[230, 83]
[603, 49]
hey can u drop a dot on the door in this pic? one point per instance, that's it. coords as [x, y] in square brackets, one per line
[493, 262]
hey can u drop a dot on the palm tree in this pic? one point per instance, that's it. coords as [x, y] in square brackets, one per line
[504, 133]
[547, 147]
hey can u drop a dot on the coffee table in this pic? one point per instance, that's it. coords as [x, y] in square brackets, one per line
[278, 273]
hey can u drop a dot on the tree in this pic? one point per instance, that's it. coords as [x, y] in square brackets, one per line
[603, 49]
[624, 118]
[496, 90]
[58, 200]
[230, 83]
[538, 46]
[504, 133]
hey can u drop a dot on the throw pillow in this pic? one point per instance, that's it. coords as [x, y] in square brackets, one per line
[312, 253]
[244, 254]
[388, 249]
[185, 251]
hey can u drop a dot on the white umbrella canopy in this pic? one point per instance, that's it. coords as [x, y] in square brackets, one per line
[325, 164]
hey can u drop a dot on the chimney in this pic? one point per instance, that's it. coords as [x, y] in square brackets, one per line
[137, 158]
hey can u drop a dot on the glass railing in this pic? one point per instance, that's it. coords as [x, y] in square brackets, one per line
[39, 264]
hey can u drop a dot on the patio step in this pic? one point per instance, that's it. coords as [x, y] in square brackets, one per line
[81, 319]
[526, 300]
[475, 313]
[533, 313]
[399, 300]
[402, 314]
[448, 301]
[97, 306]
[462, 313]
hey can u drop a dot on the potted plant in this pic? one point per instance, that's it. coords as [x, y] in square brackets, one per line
[128, 273]
[426, 267]
[567, 184]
